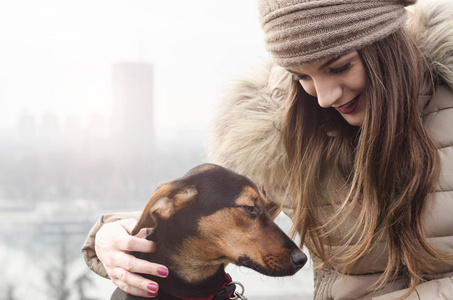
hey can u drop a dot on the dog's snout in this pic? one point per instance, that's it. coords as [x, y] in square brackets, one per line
[298, 258]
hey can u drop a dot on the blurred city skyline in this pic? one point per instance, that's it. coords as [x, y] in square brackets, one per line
[72, 150]
[56, 56]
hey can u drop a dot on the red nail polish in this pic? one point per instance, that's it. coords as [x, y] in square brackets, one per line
[152, 287]
[152, 294]
[162, 271]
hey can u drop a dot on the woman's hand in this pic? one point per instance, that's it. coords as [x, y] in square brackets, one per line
[113, 245]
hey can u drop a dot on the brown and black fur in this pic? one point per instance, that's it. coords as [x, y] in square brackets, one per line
[205, 220]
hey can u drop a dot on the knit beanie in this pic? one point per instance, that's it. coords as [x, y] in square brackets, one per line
[299, 32]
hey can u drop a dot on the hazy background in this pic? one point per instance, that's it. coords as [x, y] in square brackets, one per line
[99, 102]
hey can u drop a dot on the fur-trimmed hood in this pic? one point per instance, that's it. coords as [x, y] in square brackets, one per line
[245, 135]
[431, 24]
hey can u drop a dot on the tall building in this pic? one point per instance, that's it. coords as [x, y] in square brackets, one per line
[133, 121]
[27, 125]
[49, 124]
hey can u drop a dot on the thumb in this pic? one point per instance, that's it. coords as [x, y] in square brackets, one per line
[128, 224]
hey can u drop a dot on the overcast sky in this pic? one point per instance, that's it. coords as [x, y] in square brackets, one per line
[56, 55]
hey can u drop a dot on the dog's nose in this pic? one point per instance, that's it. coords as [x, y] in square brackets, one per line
[298, 258]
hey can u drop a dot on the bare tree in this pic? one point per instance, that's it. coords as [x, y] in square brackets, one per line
[56, 276]
[81, 283]
[10, 288]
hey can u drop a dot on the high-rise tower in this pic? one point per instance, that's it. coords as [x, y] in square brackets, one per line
[133, 120]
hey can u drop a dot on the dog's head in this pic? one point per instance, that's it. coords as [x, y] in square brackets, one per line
[213, 216]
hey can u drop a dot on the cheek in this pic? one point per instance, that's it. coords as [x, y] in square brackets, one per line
[358, 79]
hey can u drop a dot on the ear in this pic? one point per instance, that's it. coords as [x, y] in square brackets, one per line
[263, 196]
[168, 198]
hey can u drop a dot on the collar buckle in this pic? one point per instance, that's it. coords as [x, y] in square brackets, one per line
[236, 295]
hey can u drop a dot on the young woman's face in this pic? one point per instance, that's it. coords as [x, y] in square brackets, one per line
[338, 83]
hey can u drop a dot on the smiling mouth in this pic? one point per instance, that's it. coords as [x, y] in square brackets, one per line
[349, 107]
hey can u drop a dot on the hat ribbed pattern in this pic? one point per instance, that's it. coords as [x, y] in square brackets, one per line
[301, 32]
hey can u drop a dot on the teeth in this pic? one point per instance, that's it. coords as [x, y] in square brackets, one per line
[349, 103]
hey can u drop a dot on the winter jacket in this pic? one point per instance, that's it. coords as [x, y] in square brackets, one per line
[245, 138]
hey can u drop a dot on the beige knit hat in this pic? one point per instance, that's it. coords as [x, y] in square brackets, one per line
[298, 32]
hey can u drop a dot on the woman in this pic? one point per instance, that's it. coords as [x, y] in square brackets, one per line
[351, 126]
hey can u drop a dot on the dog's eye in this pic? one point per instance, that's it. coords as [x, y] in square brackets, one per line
[252, 210]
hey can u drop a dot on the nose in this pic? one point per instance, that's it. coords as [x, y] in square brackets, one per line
[299, 258]
[326, 90]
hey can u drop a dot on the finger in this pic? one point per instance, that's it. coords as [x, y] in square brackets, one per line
[134, 284]
[135, 291]
[135, 265]
[128, 224]
[132, 243]
[143, 233]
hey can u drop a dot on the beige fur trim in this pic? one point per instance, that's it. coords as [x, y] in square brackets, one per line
[431, 24]
[245, 135]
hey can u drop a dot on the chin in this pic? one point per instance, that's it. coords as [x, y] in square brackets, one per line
[355, 121]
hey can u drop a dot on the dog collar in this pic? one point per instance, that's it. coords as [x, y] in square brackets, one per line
[226, 292]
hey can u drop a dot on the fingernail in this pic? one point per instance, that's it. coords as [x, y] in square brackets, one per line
[152, 287]
[162, 271]
[152, 294]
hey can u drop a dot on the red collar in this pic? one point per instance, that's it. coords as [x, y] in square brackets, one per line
[225, 292]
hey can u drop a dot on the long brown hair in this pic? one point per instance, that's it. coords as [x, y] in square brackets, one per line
[383, 171]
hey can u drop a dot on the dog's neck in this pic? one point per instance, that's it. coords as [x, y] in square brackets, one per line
[175, 284]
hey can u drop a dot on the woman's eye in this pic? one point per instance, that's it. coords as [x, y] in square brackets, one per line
[341, 69]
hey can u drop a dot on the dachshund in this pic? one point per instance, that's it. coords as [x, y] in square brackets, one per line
[205, 220]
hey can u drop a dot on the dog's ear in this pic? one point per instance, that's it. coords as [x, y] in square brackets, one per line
[168, 198]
